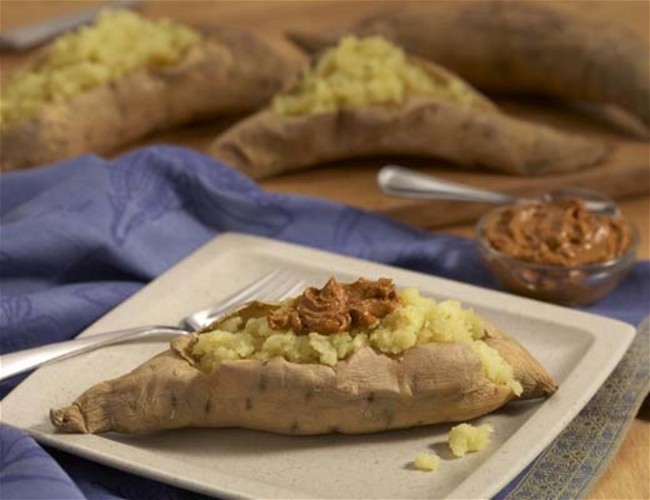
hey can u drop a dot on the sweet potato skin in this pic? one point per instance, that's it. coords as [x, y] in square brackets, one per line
[369, 392]
[230, 71]
[518, 47]
[267, 144]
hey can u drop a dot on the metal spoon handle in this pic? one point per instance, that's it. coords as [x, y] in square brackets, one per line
[26, 37]
[401, 181]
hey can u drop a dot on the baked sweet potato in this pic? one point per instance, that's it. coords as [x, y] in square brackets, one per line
[227, 71]
[367, 391]
[267, 144]
[517, 47]
[456, 124]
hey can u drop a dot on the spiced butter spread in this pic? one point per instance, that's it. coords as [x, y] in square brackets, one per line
[337, 307]
[562, 233]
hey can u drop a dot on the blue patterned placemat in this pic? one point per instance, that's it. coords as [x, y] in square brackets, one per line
[572, 464]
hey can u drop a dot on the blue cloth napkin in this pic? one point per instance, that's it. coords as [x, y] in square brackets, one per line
[79, 237]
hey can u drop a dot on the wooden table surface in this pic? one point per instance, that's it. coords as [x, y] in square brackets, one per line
[628, 474]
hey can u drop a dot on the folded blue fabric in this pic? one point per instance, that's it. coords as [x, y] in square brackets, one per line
[79, 237]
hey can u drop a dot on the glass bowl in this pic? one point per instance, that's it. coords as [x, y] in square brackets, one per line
[573, 286]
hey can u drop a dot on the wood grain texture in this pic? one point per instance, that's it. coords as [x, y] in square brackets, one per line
[625, 175]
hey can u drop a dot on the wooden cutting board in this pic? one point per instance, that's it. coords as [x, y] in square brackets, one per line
[625, 173]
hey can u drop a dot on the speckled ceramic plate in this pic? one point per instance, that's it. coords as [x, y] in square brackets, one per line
[578, 349]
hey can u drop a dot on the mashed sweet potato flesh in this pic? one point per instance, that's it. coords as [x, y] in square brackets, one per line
[416, 320]
[464, 438]
[364, 71]
[117, 43]
[426, 461]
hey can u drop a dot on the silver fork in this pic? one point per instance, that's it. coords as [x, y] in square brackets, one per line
[275, 285]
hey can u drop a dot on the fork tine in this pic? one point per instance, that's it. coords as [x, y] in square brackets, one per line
[273, 290]
[250, 291]
[273, 286]
[280, 290]
[200, 318]
[299, 286]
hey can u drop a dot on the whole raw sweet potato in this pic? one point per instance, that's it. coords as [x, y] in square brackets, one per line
[229, 71]
[368, 392]
[517, 47]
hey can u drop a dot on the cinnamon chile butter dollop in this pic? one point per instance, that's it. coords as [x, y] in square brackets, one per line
[337, 307]
[562, 233]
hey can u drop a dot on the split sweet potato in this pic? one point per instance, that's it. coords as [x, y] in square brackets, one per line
[452, 122]
[229, 71]
[267, 144]
[517, 47]
[367, 392]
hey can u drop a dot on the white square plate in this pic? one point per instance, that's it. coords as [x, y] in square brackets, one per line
[579, 350]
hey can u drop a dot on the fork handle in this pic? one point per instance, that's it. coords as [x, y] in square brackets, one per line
[28, 359]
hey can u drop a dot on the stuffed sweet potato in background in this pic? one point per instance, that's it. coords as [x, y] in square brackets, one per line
[365, 97]
[517, 47]
[125, 77]
[348, 358]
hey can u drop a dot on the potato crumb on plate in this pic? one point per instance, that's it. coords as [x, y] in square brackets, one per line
[464, 438]
[426, 461]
